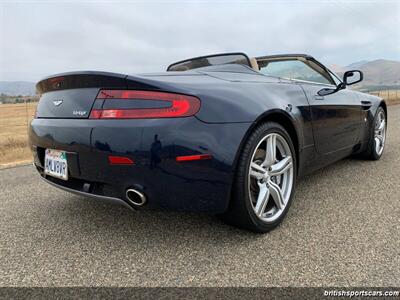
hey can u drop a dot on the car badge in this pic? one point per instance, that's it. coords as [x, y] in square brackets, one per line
[57, 102]
[79, 112]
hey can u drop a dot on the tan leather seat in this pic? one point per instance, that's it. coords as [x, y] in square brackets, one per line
[254, 64]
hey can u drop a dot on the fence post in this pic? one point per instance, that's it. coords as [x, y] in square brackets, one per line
[26, 116]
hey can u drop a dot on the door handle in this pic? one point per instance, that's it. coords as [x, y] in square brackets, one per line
[318, 97]
[366, 104]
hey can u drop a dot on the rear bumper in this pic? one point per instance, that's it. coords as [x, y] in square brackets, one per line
[153, 145]
[90, 195]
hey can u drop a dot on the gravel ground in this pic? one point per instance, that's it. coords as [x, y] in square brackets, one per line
[343, 229]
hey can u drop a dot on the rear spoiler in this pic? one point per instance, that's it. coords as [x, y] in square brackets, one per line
[94, 79]
[81, 79]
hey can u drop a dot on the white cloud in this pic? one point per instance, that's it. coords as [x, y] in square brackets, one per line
[40, 38]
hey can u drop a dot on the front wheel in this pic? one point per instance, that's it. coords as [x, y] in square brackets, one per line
[377, 138]
[265, 180]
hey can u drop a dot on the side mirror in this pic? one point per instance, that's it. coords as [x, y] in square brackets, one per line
[352, 77]
[326, 91]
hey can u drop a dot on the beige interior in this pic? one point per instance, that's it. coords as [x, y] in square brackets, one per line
[254, 64]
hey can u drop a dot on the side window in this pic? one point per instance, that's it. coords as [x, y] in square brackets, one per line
[292, 69]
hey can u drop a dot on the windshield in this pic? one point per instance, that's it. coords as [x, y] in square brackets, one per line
[293, 69]
[210, 60]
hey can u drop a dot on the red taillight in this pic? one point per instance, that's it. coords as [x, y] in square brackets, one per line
[180, 105]
[193, 157]
[119, 160]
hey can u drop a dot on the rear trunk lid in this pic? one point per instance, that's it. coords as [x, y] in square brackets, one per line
[72, 95]
[67, 104]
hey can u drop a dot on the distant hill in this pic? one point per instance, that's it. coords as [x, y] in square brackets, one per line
[380, 73]
[357, 64]
[337, 69]
[17, 88]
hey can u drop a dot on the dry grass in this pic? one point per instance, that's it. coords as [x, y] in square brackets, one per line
[391, 96]
[14, 120]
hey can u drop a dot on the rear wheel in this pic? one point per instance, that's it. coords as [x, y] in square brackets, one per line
[265, 180]
[377, 139]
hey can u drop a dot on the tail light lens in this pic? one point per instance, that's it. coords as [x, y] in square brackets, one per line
[175, 106]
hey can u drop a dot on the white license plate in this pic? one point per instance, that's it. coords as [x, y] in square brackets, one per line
[55, 164]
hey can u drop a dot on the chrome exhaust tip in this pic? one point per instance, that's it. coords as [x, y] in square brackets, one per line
[135, 197]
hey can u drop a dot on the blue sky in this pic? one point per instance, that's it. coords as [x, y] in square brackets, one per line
[39, 38]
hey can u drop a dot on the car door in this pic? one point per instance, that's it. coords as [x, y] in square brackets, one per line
[336, 118]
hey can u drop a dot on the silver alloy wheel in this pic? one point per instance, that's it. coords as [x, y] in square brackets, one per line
[380, 133]
[270, 181]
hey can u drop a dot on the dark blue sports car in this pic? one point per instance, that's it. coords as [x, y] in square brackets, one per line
[223, 134]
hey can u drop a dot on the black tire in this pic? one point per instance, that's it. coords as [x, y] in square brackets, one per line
[240, 212]
[371, 153]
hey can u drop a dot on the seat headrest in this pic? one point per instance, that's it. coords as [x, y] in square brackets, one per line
[254, 64]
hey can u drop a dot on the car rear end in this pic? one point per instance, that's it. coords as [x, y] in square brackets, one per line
[133, 141]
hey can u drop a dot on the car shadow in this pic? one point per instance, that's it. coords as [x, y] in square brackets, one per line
[145, 226]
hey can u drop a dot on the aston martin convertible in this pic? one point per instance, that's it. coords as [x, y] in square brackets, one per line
[224, 134]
